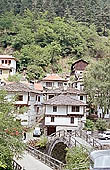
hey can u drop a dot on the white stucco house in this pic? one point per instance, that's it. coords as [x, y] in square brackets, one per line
[7, 66]
[27, 97]
[53, 81]
[64, 112]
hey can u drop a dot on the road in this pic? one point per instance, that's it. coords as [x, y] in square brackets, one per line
[28, 162]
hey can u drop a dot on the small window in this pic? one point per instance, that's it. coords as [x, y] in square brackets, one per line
[38, 98]
[75, 109]
[81, 97]
[1, 72]
[5, 61]
[37, 109]
[2, 61]
[72, 119]
[75, 85]
[54, 108]
[20, 98]
[60, 84]
[49, 84]
[51, 96]
[52, 119]
[9, 61]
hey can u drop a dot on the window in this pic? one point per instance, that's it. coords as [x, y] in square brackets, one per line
[5, 61]
[75, 85]
[81, 97]
[54, 108]
[60, 84]
[52, 119]
[72, 119]
[37, 109]
[1, 72]
[38, 98]
[2, 61]
[9, 61]
[20, 98]
[50, 96]
[75, 108]
[49, 84]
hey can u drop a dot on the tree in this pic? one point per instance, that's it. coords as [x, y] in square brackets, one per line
[97, 83]
[14, 78]
[101, 124]
[10, 133]
[77, 157]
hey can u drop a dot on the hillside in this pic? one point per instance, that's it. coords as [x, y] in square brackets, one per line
[47, 36]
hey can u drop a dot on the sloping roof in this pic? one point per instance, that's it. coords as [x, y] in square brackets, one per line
[38, 86]
[7, 57]
[53, 77]
[16, 87]
[66, 100]
[4, 67]
[80, 61]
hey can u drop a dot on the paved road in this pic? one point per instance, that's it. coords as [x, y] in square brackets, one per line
[30, 163]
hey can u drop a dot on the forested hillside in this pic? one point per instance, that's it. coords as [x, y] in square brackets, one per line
[41, 33]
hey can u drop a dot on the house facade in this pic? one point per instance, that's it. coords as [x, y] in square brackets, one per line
[25, 97]
[64, 112]
[53, 81]
[77, 69]
[7, 66]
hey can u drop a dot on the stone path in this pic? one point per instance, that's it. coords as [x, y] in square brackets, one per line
[28, 162]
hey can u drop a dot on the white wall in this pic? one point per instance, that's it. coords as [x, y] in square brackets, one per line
[12, 65]
[64, 121]
[81, 110]
[61, 110]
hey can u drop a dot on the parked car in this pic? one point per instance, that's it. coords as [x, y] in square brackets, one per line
[105, 135]
[37, 132]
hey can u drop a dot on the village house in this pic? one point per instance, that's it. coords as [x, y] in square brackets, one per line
[53, 81]
[77, 69]
[64, 112]
[7, 66]
[26, 96]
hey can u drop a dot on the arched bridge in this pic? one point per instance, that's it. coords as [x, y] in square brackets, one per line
[61, 140]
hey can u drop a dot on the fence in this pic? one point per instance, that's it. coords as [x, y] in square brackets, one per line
[16, 166]
[46, 159]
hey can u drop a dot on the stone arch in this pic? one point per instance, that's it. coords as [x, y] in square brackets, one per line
[57, 147]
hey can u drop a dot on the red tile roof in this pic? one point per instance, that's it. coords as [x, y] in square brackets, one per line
[53, 77]
[38, 86]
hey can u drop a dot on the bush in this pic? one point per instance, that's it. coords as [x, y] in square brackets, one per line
[43, 141]
[77, 157]
[89, 125]
[101, 125]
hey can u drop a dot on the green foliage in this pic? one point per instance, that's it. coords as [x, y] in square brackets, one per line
[42, 141]
[77, 157]
[10, 132]
[14, 78]
[101, 124]
[41, 40]
[89, 125]
[97, 83]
